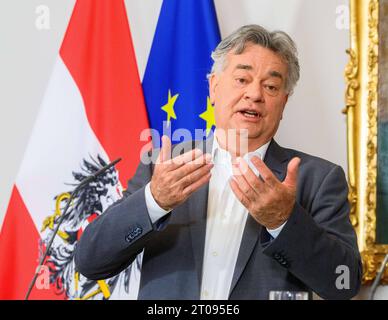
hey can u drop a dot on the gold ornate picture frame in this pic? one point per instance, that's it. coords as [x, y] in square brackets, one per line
[362, 106]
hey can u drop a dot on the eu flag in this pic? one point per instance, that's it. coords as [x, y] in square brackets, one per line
[174, 84]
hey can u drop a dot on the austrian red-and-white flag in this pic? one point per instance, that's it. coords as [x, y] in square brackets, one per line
[93, 112]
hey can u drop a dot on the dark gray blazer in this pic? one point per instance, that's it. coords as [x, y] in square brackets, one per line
[316, 240]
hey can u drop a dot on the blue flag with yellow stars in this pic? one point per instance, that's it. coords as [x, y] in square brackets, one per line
[175, 85]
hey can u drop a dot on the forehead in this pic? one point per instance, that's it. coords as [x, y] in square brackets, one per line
[258, 58]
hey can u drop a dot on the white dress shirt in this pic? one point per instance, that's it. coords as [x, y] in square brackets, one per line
[226, 218]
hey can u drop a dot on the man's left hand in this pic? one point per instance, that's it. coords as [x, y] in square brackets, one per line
[269, 201]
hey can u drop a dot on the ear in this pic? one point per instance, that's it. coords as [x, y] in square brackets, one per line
[213, 82]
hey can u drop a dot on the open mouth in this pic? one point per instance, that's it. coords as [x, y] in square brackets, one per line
[250, 114]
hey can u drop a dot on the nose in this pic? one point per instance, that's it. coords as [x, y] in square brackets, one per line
[254, 92]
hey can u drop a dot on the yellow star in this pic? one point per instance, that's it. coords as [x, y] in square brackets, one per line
[169, 107]
[208, 116]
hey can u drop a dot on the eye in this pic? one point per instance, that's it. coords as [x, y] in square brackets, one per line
[271, 88]
[241, 81]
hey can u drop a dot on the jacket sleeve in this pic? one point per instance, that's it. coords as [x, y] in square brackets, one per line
[112, 241]
[319, 246]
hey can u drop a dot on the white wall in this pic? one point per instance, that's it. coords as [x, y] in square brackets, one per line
[312, 123]
[26, 60]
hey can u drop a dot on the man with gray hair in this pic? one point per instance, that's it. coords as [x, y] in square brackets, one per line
[236, 218]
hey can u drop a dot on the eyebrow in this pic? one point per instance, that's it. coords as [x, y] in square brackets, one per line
[275, 74]
[244, 67]
[272, 73]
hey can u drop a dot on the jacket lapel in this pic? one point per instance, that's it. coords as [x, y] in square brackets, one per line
[197, 205]
[248, 242]
[198, 213]
[275, 159]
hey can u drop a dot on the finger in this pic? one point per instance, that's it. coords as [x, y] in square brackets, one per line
[243, 184]
[191, 172]
[266, 174]
[186, 157]
[239, 193]
[188, 162]
[207, 158]
[196, 185]
[165, 150]
[292, 173]
[180, 160]
[254, 181]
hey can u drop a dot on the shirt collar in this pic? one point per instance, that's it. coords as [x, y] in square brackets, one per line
[218, 153]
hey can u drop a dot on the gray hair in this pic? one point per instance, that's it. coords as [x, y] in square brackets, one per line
[277, 41]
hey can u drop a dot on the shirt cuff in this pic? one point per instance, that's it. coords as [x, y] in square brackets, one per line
[154, 210]
[275, 232]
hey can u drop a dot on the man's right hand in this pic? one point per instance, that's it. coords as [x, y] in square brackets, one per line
[174, 180]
